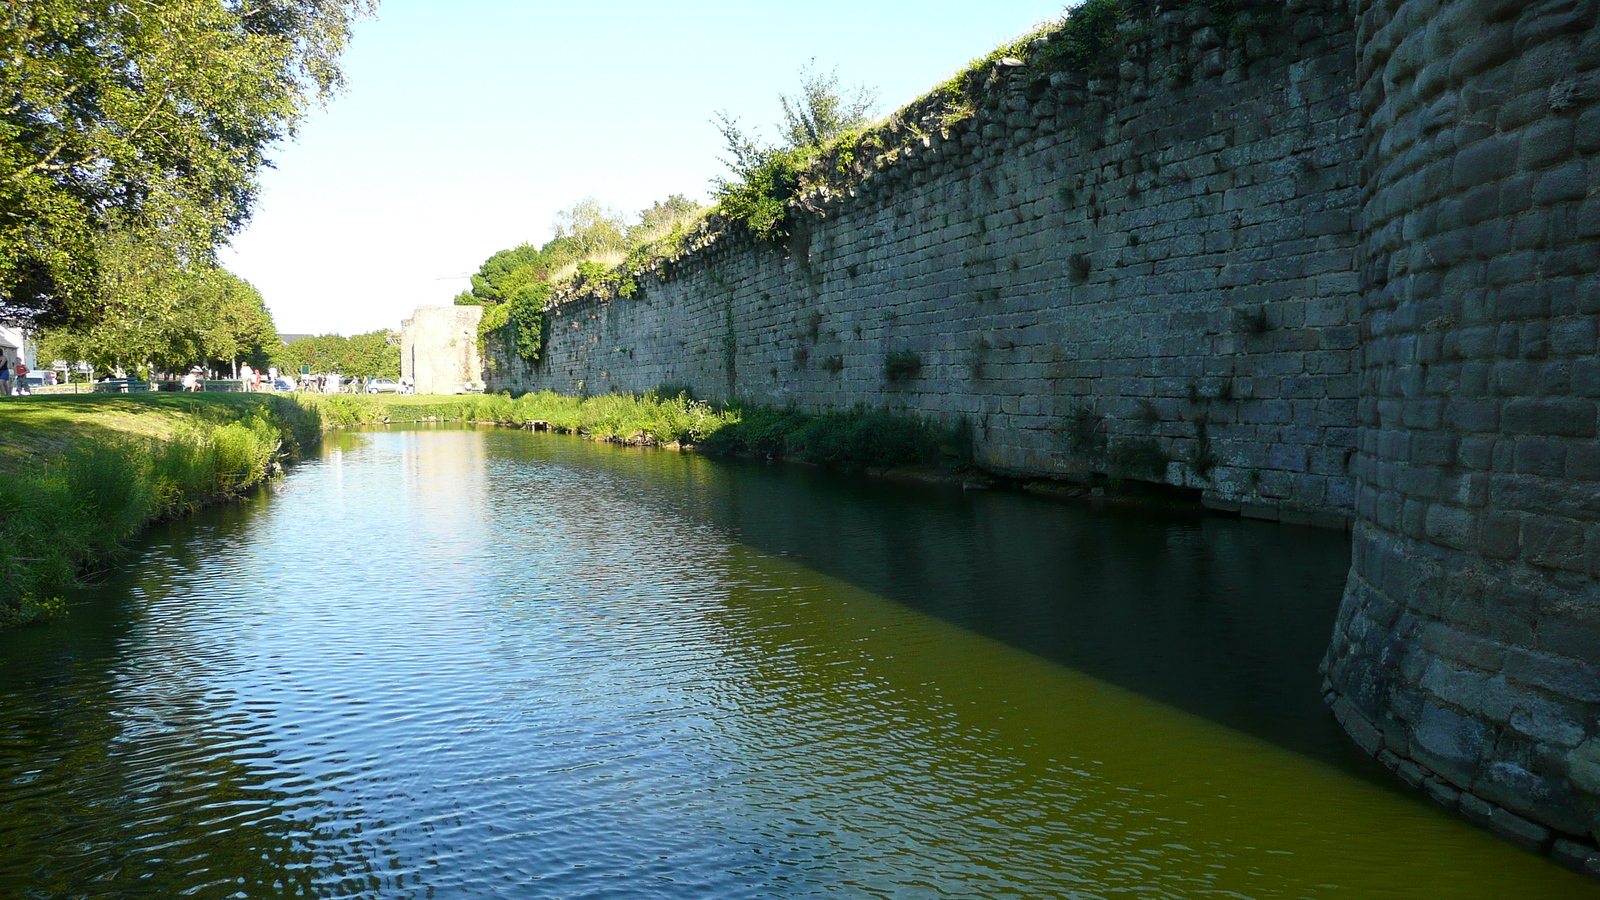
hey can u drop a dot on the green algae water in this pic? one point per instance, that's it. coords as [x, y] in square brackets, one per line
[463, 663]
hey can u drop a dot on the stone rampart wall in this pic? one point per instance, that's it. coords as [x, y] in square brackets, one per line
[1342, 265]
[1467, 655]
[1148, 272]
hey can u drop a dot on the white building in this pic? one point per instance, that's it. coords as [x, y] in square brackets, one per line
[16, 346]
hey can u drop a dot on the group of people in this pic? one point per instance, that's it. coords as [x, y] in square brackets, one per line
[251, 379]
[13, 380]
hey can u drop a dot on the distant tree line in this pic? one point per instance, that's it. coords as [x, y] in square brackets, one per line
[599, 245]
[592, 242]
[367, 355]
[157, 316]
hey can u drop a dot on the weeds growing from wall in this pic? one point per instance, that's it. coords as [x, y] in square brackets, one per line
[1084, 431]
[1138, 458]
[1205, 458]
[901, 366]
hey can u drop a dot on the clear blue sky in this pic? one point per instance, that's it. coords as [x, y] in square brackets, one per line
[468, 123]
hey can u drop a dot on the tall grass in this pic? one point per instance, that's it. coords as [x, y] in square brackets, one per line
[72, 512]
[853, 439]
[65, 514]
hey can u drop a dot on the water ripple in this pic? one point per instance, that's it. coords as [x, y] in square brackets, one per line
[445, 663]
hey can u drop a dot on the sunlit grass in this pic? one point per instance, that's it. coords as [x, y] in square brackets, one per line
[80, 475]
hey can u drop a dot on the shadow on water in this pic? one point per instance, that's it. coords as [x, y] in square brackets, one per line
[1223, 618]
[437, 664]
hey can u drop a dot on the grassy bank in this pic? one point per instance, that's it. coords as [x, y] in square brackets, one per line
[853, 439]
[80, 475]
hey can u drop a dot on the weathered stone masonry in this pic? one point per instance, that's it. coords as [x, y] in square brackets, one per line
[1341, 267]
[1467, 654]
[1171, 265]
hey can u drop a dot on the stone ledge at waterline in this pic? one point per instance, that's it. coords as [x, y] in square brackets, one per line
[1344, 266]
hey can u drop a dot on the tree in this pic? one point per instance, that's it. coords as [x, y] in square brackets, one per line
[588, 230]
[766, 176]
[370, 355]
[507, 274]
[150, 118]
[243, 329]
[823, 109]
[660, 218]
[164, 313]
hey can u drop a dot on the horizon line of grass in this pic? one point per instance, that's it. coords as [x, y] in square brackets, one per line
[82, 475]
[852, 439]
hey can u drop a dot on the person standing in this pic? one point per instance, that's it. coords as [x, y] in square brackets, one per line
[247, 378]
[5, 375]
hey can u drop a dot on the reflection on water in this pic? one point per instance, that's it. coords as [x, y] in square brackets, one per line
[455, 663]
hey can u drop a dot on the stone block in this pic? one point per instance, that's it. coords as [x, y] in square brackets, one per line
[1470, 649]
[1537, 456]
[1552, 542]
[1476, 809]
[1583, 767]
[1525, 834]
[1569, 182]
[1501, 535]
[1582, 858]
[1449, 743]
[1579, 681]
[1442, 792]
[1485, 161]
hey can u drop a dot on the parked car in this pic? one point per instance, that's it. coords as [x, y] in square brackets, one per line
[40, 378]
[383, 386]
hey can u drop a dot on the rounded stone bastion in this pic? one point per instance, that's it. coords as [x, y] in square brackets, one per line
[1467, 651]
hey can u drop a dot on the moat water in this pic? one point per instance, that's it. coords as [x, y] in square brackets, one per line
[447, 662]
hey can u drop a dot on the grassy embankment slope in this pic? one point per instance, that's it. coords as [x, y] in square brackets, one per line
[80, 475]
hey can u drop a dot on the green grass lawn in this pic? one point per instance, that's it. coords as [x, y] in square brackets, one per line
[36, 429]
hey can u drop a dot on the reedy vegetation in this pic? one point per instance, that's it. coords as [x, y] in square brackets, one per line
[64, 512]
[150, 457]
[847, 439]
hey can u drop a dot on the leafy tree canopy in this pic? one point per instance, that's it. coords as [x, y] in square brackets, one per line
[369, 355]
[589, 230]
[507, 274]
[823, 109]
[149, 118]
[164, 314]
[661, 217]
